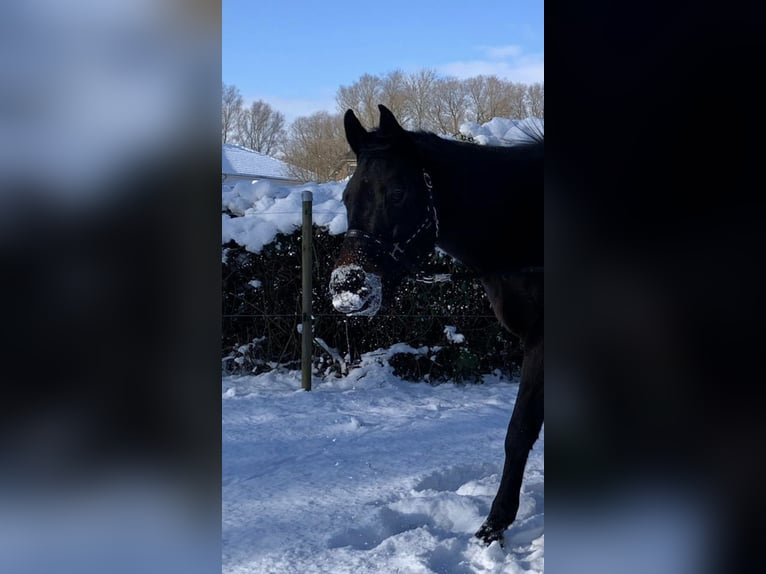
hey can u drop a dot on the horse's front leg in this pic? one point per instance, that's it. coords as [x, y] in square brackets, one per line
[523, 430]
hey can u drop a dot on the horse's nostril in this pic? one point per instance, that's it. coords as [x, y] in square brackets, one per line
[348, 279]
[353, 279]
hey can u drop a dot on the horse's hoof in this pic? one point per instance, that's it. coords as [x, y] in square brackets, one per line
[488, 533]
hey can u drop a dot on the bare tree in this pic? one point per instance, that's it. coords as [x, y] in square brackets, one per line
[262, 128]
[516, 99]
[426, 101]
[491, 97]
[450, 105]
[536, 100]
[363, 96]
[317, 146]
[420, 86]
[477, 99]
[231, 108]
[393, 94]
[499, 102]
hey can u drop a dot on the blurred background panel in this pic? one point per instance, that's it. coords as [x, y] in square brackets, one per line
[654, 283]
[110, 297]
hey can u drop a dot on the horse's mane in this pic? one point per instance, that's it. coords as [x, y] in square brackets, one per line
[436, 146]
[533, 130]
[428, 141]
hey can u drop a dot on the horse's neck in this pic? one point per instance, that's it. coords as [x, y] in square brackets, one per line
[484, 219]
[461, 234]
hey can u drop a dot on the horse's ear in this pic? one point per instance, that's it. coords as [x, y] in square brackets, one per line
[355, 132]
[388, 123]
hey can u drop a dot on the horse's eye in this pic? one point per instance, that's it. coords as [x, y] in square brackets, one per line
[397, 194]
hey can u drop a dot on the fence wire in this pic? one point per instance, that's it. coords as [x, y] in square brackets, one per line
[260, 324]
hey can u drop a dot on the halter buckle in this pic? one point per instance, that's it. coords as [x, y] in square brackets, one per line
[427, 179]
[394, 251]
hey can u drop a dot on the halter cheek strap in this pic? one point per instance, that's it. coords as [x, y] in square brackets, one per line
[431, 204]
[395, 250]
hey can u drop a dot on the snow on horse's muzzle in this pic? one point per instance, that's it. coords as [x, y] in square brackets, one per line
[355, 291]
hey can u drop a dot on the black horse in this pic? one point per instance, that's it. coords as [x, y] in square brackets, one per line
[484, 206]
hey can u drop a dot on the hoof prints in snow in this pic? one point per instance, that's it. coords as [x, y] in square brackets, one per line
[449, 557]
[530, 523]
[524, 532]
[452, 503]
[440, 515]
[458, 479]
[386, 524]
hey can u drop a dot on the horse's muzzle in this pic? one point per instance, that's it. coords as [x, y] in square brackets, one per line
[354, 291]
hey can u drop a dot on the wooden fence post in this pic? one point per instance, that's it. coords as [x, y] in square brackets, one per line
[306, 268]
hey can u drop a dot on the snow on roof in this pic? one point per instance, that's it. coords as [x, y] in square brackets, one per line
[239, 160]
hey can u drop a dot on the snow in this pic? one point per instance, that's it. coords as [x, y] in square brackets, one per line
[262, 209]
[503, 131]
[369, 474]
[366, 473]
[239, 160]
[452, 335]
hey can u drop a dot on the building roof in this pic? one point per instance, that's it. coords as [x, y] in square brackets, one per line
[239, 160]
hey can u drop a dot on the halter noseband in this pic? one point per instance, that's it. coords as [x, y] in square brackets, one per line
[396, 250]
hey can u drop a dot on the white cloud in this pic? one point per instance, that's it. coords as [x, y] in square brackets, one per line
[502, 52]
[507, 62]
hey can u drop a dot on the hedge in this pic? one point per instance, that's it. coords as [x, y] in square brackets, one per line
[262, 313]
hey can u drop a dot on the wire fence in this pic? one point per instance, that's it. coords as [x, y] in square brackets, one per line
[377, 315]
[261, 324]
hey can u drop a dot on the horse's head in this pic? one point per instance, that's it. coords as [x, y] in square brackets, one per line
[392, 223]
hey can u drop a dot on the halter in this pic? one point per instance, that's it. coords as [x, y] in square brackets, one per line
[470, 275]
[397, 250]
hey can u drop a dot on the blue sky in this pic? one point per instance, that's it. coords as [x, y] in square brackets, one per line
[295, 54]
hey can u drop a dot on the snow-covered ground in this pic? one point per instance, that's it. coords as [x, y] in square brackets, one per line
[370, 474]
[365, 474]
